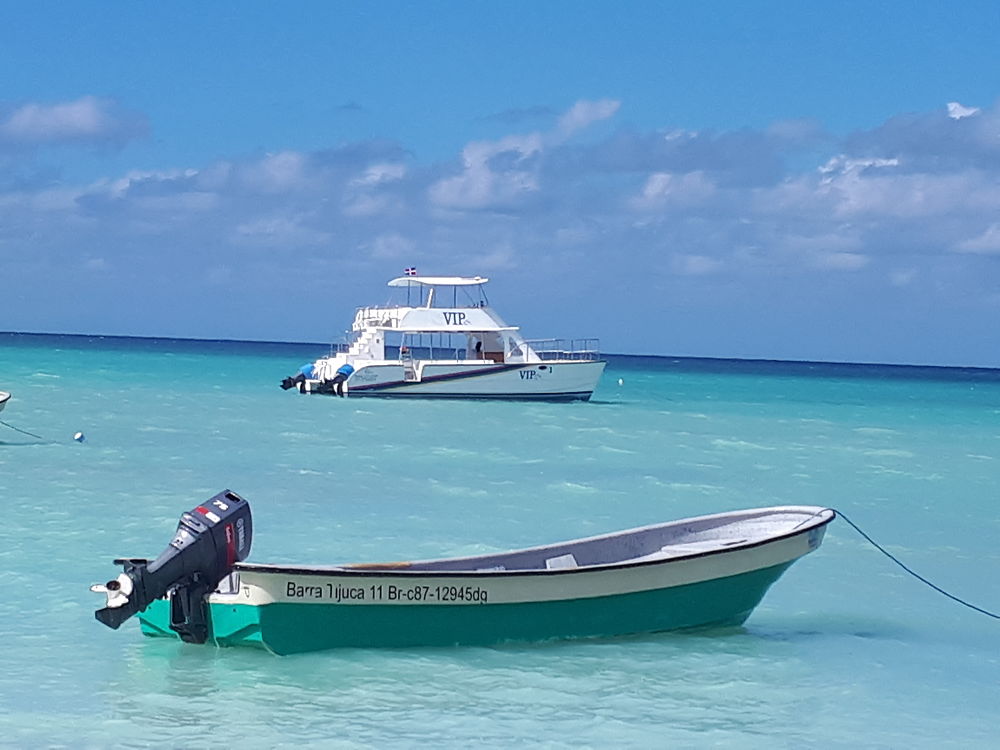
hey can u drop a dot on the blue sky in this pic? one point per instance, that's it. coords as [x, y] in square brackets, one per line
[783, 180]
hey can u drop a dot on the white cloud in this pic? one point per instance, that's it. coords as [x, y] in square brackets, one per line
[879, 210]
[379, 174]
[933, 142]
[497, 259]
[574, 235]
[695, 265]
[956, 111]
[663, 189]
[365, 205]
[987, 243]
[841, 261]
[391, 245]
[584, 113]
[799, 131]
[281, 232]
[214, 177]
[119, 187]
[844, 240]
[276, 173]
[58, 200]
[500, 174]
[180, 204]
[834, 249]
[481, 185]
[87, 119]
[841, 166]
[909, 196]
[365, 195]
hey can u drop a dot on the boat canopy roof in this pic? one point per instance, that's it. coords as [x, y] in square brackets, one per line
[438, 281]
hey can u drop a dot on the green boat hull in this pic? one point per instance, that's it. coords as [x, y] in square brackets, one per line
[290, 627]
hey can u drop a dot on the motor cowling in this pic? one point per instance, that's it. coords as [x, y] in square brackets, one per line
[210, 539]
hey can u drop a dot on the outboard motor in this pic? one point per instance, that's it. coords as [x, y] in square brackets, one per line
[298, 380]
[293, 382]
[209, 540]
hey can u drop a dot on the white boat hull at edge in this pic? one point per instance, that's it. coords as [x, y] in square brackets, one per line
[569, 380]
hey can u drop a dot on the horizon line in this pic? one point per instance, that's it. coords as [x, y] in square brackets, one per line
[715, 358]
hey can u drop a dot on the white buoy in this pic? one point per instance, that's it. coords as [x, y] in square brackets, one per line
[621, 381]
[79, 437]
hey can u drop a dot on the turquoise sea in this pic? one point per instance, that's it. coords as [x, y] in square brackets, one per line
[845, 651]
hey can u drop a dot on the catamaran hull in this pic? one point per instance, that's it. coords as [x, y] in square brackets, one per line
[291, 610]
[546, 381]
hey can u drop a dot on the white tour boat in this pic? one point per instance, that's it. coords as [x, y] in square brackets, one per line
[4, 398]
[447, 342]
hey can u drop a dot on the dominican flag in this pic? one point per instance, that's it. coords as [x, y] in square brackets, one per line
[411, 271]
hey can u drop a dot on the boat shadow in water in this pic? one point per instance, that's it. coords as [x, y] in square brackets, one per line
[685, 637]
[828, 627]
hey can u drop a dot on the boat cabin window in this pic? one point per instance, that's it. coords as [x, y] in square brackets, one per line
[486, 345]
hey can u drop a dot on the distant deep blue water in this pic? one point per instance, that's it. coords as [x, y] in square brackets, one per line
[845, 651]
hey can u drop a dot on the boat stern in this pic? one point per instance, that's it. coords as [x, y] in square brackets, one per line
[210, 539]
[228, 623]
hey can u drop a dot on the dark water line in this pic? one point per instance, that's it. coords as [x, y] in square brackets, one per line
[616, 362]
[23, 432]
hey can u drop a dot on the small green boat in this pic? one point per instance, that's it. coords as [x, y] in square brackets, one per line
[705, 571]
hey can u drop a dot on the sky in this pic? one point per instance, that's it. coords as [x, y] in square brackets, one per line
[766, 180]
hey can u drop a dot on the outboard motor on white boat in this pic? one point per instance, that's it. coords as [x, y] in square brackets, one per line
[298, 380]
[293, 382]
[210, 538]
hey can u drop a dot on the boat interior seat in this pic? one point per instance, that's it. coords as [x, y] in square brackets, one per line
[561, 562]
[684, 548]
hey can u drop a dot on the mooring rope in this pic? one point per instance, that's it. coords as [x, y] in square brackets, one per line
[23, 432]
[916, 575]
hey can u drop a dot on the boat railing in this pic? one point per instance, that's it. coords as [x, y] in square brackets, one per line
[550, 349]
[387, 317]
[425, 353]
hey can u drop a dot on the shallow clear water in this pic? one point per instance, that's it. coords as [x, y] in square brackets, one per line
[845, 650]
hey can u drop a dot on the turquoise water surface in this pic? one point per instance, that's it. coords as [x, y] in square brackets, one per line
[846, 650]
